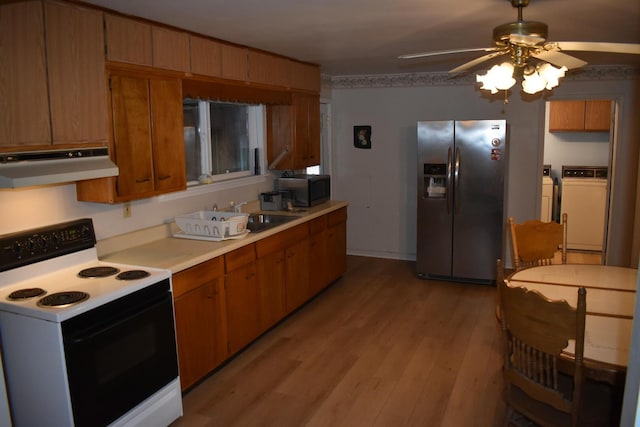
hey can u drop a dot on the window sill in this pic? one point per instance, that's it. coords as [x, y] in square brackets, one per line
[210, 188]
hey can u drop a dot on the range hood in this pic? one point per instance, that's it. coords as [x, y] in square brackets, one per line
[32, 168]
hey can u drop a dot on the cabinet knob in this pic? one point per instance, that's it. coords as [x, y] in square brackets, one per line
[162, 178]
[139, 181]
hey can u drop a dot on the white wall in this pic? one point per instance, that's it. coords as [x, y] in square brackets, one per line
[380, 183]
[22, 209]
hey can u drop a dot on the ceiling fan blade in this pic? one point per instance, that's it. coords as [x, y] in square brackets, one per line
[477, 61]
[559, 59]
[630, 48]
[447, 52]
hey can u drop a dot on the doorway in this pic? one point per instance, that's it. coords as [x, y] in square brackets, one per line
[575, 159]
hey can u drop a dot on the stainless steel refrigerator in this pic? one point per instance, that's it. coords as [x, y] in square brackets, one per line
[461, 187]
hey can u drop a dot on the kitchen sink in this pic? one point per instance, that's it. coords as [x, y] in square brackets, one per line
[261, 222]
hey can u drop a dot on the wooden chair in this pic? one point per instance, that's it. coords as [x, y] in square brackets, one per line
[535, 243]
[535, 331]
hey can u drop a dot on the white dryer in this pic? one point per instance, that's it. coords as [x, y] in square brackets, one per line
[584, 200]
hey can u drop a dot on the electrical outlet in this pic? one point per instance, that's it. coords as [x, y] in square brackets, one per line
[127, 210]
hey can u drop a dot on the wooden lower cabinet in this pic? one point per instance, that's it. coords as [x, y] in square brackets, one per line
[199, 304]
[318, 278]
[241, 292]
[297, 274]
[223, 304]
[271, 288]
[336, 260]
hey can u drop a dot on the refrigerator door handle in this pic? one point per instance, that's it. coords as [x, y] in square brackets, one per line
[456, 183]
[449, 181]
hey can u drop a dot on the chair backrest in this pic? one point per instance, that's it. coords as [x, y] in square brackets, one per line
[535, 243]
[536, 330]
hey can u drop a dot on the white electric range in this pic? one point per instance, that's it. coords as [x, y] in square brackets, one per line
[86, 342]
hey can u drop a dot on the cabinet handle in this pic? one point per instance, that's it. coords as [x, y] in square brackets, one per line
[139, 181]
[164, 177]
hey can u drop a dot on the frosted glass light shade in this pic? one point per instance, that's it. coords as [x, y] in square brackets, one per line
[499, 77]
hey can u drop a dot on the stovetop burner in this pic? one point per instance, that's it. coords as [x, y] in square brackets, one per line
[63, 299]
[27, 293]
[102, 271]
[132, 275]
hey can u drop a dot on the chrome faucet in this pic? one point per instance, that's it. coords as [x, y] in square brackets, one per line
[237, 208]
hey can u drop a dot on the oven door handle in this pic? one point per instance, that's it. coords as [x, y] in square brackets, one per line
[90, 333]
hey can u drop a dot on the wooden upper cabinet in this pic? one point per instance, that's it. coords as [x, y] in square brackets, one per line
[132, 135]
[580, 116]
[296, 126]
[235, 62]
[23, 76]
[76, 65]
[168, 135]
[148, 140]
[53, 89]
[597, 116]
[305, 76]
[136, 42]
[128, 40]
[170, 49]
[206, 56]
[269, 69]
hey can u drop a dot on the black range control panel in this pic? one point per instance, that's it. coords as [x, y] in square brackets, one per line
[39, 244]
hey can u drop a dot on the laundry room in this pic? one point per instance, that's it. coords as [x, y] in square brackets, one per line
[575, 178]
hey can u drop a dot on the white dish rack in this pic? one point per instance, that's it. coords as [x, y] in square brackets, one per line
[212, 225]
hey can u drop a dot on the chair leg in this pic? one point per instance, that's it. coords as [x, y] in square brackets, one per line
[507, 417]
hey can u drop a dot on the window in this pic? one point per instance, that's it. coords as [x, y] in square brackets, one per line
[220, 140]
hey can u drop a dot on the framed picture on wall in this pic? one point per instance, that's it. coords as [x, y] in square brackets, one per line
[362, 137]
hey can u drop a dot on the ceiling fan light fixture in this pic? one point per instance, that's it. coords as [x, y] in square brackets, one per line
[499, 77]
[551, 74]
[533, 83]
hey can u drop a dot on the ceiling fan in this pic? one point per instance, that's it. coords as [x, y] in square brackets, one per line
[523, 40]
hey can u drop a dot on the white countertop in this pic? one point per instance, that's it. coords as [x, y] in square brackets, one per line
[156, 247]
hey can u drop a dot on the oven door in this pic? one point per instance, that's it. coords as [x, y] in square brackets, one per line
[119, 354]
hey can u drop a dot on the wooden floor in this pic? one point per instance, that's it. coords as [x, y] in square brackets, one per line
[380, 347]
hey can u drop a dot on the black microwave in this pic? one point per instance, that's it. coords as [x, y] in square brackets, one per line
[306, 190]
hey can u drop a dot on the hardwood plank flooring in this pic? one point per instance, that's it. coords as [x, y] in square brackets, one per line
[379, 347]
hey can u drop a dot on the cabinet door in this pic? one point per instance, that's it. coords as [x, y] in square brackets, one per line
[318, 266]
[241, 291]
[128, 40]
[307, 130]
[199, 331]
[313, 144]
[75, 56]
[305, 76]
[336, 244]
[206, 57]
[597, 116]
[23, 76]
[132, 135]
[167, 135]
[566, 116]
[268, 69]
[170, 49]
[271, 289]
[234, 62]
[297, 274]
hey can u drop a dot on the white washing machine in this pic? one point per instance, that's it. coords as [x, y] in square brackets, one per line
[584, 200]
[546, 203]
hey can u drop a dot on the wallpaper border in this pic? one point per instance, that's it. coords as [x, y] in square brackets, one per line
[589, 73]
